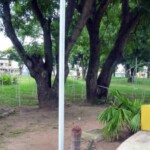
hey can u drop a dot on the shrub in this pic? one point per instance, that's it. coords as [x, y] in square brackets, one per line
[121, 114]
[14, 80]
[7, 80]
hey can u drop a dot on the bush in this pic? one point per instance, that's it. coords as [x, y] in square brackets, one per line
[7, 80]
[123, 113]
[14, 80]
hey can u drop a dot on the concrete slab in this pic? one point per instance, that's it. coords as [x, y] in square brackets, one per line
[92, 135]
[139, 141]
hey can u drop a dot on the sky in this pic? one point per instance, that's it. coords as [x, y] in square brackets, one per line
[4, 42]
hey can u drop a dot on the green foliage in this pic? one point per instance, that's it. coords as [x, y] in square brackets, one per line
[14, 80]
[123, 113]
[8, 80]
[23, 20]
[80, 52]
[12, 54]
[34, 49]
[138, 45]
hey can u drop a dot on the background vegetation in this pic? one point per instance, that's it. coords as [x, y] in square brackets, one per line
[25, 91]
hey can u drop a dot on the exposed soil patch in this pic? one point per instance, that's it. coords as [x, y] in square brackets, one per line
[33, 129]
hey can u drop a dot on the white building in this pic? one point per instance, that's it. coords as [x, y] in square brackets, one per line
[120, 72]
[7, 66]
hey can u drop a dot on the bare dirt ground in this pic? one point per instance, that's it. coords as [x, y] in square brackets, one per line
[33, 129]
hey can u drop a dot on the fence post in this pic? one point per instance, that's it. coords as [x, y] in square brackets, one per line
[76, 138]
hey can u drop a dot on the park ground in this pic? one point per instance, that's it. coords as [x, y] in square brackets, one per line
[30, 128]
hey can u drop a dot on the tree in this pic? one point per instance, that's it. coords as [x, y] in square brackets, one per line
[130, 18]
[137, 51]
[36, 19]
[106, 31]
[129, 14]
[93, 24]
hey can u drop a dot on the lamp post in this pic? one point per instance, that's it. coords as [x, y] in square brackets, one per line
[61, 74]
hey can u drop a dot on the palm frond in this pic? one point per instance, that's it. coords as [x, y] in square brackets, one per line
[135, 123]
[123, 113]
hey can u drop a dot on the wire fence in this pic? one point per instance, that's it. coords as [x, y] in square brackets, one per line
[24, 92]
[75, 89]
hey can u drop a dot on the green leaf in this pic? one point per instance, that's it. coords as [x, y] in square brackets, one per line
[123, 113]
[135, 123]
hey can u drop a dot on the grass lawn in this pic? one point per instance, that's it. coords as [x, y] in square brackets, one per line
[25, 92]
[139, 89]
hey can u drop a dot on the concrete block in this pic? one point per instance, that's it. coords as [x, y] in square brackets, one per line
[92, 135]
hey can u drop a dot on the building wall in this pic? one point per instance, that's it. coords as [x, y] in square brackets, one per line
[7, 66]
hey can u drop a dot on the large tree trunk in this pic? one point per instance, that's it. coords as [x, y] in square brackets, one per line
[93, 25]
[91, 78]
[127, 70]
[106, 73]
[132, 75]
[84, 69]
[47, 94]
[47, 97]
[148, 71]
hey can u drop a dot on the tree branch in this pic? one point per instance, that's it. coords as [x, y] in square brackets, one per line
[45, 24]
[80, 6]
[133, 21]
[101, 10]
[38, 13]
[69, 13]
[12, 35]
[86, 12]
[130, 21]
[125, 11]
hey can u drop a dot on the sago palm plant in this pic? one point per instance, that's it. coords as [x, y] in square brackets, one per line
[122, 113]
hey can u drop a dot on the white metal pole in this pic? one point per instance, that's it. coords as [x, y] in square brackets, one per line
[61, 74]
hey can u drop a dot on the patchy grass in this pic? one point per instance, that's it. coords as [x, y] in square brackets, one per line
[4, 127]
[17, 132]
